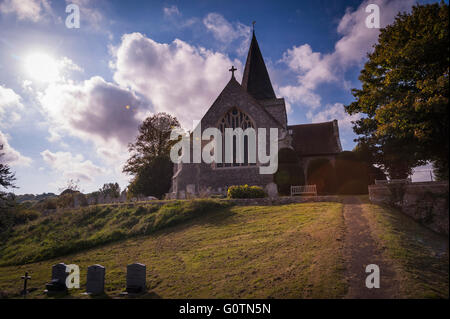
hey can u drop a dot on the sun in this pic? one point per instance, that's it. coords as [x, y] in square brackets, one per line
[41, 67]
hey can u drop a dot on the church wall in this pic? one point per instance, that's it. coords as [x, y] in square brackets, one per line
[277, 109]
[225, 177]
[234, 96]
[203, 176]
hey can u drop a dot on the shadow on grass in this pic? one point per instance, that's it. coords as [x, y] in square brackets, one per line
[422, 252]
[64, 235]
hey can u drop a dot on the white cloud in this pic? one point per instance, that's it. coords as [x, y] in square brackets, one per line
[226, 32]
[171, 11]
[72, 167]
[300, 94]
[12, 156]
[33, 10]
[177, 78]
[96, 111]
[10, 106]
[314, 68]
[335, 111]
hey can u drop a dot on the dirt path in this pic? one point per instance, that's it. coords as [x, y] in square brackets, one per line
[360, 250]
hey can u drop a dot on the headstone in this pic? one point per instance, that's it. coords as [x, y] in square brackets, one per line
[123, 196]
[190, 189]
[136, 278]
[272, 190]
[58, 282]
[95, 282]
[181, 195]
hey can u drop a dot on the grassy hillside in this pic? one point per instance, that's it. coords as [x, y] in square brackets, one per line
[74, 230]
[212, 250]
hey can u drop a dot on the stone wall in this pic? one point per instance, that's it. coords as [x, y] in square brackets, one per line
[283, 200]
[425, 202]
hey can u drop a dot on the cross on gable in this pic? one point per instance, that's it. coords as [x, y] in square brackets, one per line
[232, 71]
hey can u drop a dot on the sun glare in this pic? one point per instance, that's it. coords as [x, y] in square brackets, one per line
[41, 67]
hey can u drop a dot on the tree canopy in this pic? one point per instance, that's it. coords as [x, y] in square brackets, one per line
[153, 141]
[405, 92]
[150, 162]
[111, 189]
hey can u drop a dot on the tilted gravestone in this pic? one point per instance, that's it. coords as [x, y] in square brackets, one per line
[95, 281]
[136, 278]
[59, 275]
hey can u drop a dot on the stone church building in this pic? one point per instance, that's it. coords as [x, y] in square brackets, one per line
[253, 103]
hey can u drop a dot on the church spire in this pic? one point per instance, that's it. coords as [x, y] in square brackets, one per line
[256, 79]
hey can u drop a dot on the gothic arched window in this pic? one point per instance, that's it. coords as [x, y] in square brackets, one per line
[235, 118]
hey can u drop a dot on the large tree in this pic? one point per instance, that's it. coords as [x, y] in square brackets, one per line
[153, 179]
[111, 189]
[149, 163]
[405, 92]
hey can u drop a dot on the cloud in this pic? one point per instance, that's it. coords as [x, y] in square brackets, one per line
[177, 78]
[94, 110]
[314, 68]
[10, 106]
[300, 94]
[334, 111]
[171, 11]
[226, 32]
[11, 156]
[33, 10]
[72, 167]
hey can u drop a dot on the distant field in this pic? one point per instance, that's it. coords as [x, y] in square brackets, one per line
[289, 251]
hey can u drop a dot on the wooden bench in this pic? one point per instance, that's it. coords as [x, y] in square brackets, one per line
[304, 190]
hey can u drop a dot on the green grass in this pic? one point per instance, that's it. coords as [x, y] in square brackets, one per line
[288, 251]
[420, 256]
[71, 231]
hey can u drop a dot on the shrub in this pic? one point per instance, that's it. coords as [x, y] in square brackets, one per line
[25, 215]
[289, 173]
[353, 187]
[322, 174]
[245, 191]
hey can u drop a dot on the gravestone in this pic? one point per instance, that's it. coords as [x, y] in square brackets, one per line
[136, 278]
[58, 282]
[272, 190]
[190, 189]
[181, 195]
[95, 281]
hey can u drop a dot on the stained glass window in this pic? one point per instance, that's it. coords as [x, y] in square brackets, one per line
[235, 118]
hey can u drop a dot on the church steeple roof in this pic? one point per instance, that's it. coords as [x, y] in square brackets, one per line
[256, 79]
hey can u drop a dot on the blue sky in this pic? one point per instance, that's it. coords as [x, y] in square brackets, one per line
[71, 99]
